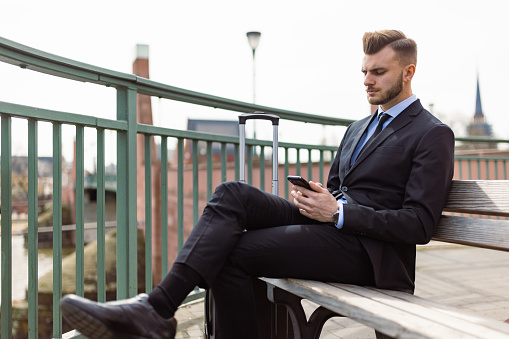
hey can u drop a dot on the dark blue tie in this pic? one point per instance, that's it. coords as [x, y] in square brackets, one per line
[382, 118]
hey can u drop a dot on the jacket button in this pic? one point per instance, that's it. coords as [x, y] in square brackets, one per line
[344, 189]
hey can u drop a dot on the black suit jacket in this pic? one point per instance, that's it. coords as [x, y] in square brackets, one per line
[396, 189]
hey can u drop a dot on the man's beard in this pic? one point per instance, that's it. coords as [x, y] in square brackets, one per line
[390, 94]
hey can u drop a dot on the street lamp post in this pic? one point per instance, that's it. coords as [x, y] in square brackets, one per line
[253, 39]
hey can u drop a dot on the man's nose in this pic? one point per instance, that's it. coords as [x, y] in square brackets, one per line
[368, 80]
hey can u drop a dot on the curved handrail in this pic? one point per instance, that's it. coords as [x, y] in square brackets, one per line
[30, 58]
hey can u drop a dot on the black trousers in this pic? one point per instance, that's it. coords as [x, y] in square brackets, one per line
[245, 232]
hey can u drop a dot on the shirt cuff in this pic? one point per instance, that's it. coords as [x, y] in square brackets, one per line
[341, 218]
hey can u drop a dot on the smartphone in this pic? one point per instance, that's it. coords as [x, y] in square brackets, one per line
[299, 181]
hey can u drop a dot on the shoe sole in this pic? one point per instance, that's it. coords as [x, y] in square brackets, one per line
[89, 326]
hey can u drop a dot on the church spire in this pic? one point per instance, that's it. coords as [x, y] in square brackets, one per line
[479, 127]
[478, 107]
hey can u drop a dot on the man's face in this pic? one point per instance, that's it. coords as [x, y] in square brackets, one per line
[383, 78]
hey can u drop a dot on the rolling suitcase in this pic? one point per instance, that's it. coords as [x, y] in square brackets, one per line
[209, 298]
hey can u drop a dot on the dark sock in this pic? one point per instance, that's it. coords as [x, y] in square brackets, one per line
[171, 292]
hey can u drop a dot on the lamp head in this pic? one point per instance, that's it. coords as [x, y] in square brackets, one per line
[253, 39]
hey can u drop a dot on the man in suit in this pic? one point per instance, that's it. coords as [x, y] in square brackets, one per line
[385, 193]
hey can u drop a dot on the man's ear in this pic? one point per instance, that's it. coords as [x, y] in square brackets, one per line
[409, 72]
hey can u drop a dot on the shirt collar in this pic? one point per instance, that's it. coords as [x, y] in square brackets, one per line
[395, 110]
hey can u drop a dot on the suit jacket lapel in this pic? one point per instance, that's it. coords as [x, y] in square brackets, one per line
[357, 129]
[357, 139]
[403, 119]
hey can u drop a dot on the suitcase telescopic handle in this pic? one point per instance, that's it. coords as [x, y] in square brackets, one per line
[258, 115]
[242, 149]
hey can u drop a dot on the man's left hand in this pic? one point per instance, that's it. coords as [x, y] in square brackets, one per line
[318, 204]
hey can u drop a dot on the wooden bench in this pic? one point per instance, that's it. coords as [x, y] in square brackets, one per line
[397, 314]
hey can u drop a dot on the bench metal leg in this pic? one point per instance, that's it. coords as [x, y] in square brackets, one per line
[302, 327]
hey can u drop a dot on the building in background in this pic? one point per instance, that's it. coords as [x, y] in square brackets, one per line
[478, 127]
[221, 127]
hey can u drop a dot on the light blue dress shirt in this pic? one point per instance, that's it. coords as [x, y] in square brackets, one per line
[393, 112]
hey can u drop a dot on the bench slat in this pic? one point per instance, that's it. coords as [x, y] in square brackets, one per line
[386, 319]
[491, 323]
[409, 303]
[487, 197]
[485, 233]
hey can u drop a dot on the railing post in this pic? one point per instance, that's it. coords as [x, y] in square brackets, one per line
[297, 162]
[321, 167]
[80, 211]
[262, 168]
[148, 213]
[209, 170]
[6, 228]
[126, 195]
[310, 166]
[57, 229]
[223, 161]
[250, 151]
[286, 172]
[101, 217]
[237, 162]
[33, 303]
[196, 175]
[180, 193]
[164, 206]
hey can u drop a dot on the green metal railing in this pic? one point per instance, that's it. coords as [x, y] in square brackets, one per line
[127, 130]
[480, 168]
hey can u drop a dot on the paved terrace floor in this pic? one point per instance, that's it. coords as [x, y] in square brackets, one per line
[468, 278]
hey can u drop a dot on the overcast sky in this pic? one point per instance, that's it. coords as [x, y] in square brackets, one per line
[308, 59]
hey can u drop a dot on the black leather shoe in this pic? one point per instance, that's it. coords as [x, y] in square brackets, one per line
[132, 318]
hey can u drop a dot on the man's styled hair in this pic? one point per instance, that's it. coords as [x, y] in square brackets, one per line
[405, 48]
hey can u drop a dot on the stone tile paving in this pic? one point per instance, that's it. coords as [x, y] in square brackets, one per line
[190, 320]
[469, 278]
